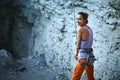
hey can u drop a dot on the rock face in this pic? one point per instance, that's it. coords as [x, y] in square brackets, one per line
[47, 27]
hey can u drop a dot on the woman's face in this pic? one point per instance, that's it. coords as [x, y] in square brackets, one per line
[79, 20]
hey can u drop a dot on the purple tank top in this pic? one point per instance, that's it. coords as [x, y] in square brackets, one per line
[86, 43]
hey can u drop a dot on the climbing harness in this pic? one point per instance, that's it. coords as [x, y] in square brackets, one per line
[86, 50]
[83, 64]
[90, 56]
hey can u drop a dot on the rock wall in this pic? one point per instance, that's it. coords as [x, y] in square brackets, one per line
[47, 27]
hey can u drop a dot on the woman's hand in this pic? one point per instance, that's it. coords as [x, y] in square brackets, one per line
[76, 55]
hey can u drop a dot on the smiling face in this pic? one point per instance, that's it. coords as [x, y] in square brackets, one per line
[80, 20]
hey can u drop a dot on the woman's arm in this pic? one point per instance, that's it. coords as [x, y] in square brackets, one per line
[78, 41]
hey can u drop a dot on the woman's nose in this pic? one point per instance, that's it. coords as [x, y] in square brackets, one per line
[77, 21]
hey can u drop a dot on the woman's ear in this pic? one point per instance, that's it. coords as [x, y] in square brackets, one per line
[85, 21]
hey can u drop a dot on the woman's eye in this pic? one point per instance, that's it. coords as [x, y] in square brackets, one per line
[77, 18]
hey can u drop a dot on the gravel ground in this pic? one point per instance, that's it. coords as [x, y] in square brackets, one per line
[31, 69]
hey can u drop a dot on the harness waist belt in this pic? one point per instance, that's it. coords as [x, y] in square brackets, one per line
[86, 50]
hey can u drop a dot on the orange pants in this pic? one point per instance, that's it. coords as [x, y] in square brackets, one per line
[78, 70]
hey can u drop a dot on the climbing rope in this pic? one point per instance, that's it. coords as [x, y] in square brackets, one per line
[75, 21]
[73, 2]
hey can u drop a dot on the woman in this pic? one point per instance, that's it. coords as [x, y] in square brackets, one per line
[83, 53]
